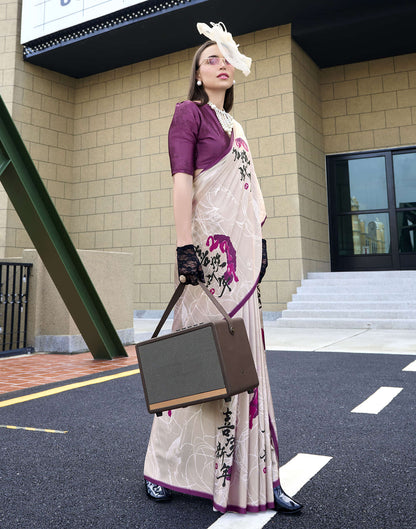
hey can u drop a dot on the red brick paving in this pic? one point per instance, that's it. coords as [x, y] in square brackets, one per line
[34, 370]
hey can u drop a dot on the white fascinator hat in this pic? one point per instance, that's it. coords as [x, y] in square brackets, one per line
[227, 45]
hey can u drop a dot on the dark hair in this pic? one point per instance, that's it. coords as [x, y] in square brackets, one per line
[197, 93]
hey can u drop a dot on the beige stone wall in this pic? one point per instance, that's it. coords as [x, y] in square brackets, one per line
[122, 182]
[369, 105]
[41, 105]
[100, 145]
[8, 32]
[311, 225]
[265, 108]
[50, 326]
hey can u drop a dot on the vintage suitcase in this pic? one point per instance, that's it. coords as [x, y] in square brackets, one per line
[201, 363]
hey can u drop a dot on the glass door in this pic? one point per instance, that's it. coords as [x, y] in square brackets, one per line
[404, 170]
[372, 210]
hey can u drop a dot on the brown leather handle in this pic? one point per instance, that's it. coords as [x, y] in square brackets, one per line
[174, 299]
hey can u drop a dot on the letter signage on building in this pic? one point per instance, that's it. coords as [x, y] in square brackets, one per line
[41, 18]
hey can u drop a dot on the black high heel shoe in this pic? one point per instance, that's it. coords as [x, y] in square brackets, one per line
[284, 503]
[157, 492]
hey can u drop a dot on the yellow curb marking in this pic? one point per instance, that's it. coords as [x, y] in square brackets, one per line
[68, 387]
[31, 429]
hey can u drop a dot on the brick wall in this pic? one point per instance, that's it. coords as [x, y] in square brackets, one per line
[8, 31]
[41, 104]
[311, 224]
[122, 183]
[100, 145]
[265, 108]
[369, 105]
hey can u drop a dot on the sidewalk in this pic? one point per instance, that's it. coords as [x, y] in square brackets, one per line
[386, 341]
[35, 370]
[22, 372]
[381, 341]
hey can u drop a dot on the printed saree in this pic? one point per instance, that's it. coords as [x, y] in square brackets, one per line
[226, 451]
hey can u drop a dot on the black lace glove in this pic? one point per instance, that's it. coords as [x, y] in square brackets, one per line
[264, 261]
[189, 265]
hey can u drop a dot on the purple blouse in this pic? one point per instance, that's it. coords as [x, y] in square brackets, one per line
[196, 138]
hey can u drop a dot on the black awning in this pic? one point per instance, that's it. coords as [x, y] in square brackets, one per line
[330, 32]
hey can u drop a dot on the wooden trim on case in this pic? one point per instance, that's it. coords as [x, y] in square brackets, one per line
[190, 398]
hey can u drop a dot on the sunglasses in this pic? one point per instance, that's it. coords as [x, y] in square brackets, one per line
[215, 61]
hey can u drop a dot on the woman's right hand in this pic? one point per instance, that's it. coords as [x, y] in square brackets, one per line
[189, 265]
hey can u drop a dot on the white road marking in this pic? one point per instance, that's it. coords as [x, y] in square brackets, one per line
[301, 469]
[294, 475]
[377, 401]
[411, 366]
[251, 520]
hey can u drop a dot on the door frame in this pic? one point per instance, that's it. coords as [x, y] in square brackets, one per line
[391, 261]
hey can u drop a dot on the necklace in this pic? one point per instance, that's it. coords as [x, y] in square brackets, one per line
[225, 119]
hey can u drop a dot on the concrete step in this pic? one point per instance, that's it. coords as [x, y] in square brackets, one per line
[309, 288]
[334, 305]
[356, 285]
[336, 323]
[362, 296]
[411, 274]
[385, 300]
[352, 314]
[374, 280]
[397, 284]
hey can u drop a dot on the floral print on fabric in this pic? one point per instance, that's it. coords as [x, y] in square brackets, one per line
[240, 152]
[219, 262]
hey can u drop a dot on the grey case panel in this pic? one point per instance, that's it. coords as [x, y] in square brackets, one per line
[180, 368]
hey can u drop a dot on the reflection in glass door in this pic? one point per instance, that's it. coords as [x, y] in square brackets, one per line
[372, 210]
[362, 209]
[404, 167]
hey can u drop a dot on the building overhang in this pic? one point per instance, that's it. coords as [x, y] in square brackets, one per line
[332, 33]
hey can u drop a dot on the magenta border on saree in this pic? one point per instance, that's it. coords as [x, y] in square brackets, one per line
[219, 508]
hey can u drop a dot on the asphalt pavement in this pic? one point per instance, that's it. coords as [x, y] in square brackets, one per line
[91, 476]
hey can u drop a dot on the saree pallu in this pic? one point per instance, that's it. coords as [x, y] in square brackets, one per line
[226, 451]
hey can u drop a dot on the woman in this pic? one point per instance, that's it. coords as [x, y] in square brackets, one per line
[226, 451]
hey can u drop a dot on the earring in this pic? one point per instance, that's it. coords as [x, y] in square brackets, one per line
[234, 81]
[199, 83]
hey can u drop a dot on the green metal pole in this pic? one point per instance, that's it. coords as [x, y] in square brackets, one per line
[37, 212]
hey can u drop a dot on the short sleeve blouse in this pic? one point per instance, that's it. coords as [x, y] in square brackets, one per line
[196, 138]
